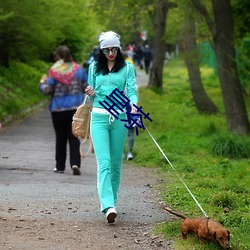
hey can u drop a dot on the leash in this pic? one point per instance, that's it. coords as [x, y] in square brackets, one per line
[176, 173]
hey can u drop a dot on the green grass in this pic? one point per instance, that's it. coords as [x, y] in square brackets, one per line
[19, 88]
[214, 164]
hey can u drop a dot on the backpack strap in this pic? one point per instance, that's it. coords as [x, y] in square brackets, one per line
[90, 149]
[126, 72]
[86, 138]
[92, 73]
[126, 82]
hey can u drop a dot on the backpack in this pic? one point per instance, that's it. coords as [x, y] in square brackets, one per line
[81, 126]
[81, 123]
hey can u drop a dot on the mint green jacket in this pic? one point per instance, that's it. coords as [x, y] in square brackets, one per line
[104, 85]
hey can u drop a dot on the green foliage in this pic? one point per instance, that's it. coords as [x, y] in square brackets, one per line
[243, 59]
[128, 18]
[19, 87]
[29, 33]
[175, 25]
[231, 146]
[170, 230]
[175, 28]
[224, 200]
[219, 183]
[241, 17]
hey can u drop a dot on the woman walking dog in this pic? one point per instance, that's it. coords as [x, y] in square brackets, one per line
[108, 73]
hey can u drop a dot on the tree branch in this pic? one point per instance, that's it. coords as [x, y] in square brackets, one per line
[202, 9]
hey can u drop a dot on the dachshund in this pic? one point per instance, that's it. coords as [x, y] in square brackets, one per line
[204, 229]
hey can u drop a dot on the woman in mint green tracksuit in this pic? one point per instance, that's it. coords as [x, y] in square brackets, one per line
[109, 73]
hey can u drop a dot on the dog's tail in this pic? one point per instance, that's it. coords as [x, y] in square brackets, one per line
[175, 213]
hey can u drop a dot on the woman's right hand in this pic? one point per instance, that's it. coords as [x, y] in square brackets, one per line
[90, 91]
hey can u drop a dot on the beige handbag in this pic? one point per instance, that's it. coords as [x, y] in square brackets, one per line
[81, 126]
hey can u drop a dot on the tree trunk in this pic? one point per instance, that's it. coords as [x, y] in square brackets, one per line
[235, 109]
[223, 38]
[159, 47]
[201, 99]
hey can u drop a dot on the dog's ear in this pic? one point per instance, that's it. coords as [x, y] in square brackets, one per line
[214, 235]
[228, 237]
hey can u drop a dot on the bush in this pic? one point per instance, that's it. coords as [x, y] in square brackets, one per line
[231, 146]
[224, 200]
[19, 88]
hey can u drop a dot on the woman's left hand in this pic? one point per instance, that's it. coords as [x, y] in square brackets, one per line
[133, 108]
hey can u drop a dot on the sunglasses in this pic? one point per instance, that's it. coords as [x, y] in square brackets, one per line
[106, 51]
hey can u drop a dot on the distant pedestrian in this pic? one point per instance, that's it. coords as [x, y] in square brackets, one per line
[65, 84]
[131, 131]
[147, 54]
[138, 56]
[107, 74]
[93, 55]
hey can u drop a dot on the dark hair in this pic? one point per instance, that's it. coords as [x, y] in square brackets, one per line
[64, 53]
[102, 67]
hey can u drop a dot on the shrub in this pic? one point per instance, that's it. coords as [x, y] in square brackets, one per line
[231, 146]
[223, 200]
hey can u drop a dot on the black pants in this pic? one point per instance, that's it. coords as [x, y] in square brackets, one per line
[147, 65]
[62, 122]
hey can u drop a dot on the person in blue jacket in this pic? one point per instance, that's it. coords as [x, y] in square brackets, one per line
[65, 83]
[108, 73]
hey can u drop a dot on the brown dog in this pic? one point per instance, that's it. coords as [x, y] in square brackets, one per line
[204, 229]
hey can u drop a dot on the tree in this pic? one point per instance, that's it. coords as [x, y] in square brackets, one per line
[126, 17]
[159, 46]
[223, 38]
[201, 99]
[28, 33]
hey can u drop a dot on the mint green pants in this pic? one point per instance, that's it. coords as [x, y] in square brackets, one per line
[108, 139]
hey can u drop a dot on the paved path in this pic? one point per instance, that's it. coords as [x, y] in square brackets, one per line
[27, 160]
[26, 163]
[31, 191]
[141, 78]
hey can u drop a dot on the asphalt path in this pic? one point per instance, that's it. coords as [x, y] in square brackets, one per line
[31, 190]
[26, 164]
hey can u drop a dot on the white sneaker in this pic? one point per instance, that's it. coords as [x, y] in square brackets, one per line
[58, 171]
[130, 156]
[111, 214]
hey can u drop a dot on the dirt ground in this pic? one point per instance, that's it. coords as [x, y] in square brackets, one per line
[40, 209]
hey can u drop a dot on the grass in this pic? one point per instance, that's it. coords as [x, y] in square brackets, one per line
[19, 88]
[214, 164]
